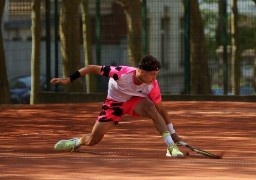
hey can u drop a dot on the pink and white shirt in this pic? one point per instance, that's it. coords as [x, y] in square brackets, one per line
[121, 86]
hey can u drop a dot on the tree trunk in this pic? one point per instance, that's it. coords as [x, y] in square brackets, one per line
[254, 74]
[133, 21]
[35, 55]
[4, 86]
[87, 41]
[219, 24]
[70, 42]
[235, 63]
[200, 79]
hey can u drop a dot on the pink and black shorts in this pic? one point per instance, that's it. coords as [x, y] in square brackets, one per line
[113, 110]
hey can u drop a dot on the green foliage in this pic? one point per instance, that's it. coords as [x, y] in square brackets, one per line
[247, 32]
[210, 19]
[246, 27]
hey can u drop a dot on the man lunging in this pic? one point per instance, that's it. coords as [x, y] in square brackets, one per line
[133, 91]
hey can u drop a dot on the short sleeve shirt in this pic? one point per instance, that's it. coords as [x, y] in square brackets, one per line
[121, 86]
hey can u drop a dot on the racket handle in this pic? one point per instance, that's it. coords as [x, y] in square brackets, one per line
[181, 143]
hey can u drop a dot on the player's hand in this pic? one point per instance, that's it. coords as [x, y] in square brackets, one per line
[60, 81]
[177, 139]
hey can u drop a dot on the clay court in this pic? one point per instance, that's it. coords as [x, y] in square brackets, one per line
[134, 150]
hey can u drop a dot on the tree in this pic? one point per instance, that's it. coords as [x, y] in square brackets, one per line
[4, 86]
[200, 79]
[70, 41]
[87, 41]
[235, 63]
[219, 27]
[35, 54]
[254, 80]
[133, 20]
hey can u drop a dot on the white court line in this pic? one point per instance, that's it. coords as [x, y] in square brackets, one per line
[180, 160]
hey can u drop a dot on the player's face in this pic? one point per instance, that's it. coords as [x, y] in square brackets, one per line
[149, 76]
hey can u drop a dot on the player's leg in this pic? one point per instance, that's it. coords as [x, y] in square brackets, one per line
[146, 108]
[107, 119]
[97, 134]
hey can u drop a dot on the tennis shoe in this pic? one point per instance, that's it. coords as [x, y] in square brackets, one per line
[66, 145]
[173, 151]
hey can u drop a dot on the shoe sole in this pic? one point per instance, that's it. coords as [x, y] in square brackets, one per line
[168, 155]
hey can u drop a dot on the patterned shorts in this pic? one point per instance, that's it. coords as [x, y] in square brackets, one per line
[113, 110]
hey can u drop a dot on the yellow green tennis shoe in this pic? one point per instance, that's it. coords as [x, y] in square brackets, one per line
[173, 151]
[66, 145]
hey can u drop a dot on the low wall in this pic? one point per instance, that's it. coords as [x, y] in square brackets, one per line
[60, 97]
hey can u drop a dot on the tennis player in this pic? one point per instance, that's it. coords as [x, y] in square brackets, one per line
[132, 91]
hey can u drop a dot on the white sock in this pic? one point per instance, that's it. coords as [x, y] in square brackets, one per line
[167, 138]
[78, 142]
[170, 128]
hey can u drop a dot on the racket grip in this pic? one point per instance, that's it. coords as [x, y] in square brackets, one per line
[181, 143]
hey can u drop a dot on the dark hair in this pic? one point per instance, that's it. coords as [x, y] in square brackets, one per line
[149, 63]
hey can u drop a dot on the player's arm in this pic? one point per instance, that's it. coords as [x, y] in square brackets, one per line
[94, 69]
[155, 97]
[161, 109]
[90, 69]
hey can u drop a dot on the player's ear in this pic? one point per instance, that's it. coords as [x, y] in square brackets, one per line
[141, 71]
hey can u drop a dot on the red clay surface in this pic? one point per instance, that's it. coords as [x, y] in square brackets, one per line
[133, 150]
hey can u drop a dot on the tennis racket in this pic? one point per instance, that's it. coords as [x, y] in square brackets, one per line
[200, 151]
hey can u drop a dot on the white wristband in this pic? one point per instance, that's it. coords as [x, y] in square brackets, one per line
[170, 128]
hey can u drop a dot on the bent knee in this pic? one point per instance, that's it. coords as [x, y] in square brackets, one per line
[146, 107]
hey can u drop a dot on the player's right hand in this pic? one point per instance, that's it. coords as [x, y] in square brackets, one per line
[60, 81]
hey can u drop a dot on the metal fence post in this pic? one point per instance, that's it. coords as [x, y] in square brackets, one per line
[56, 23]
[144, 27]
[48, 42]
[98, 33]
[224, 40]
[187, 47]
[98, 42]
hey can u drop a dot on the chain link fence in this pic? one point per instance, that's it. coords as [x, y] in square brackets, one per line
[164, 35]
